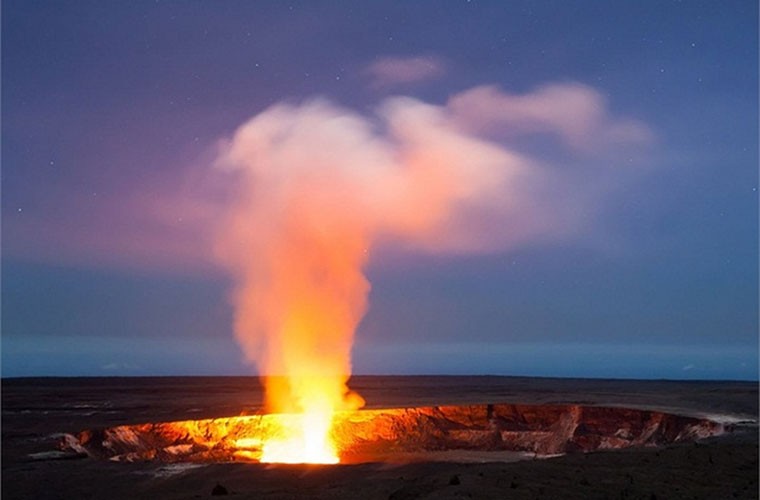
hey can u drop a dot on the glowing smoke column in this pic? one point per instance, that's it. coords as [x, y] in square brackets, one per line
[316, 187]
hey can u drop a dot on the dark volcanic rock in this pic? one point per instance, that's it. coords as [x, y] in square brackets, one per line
[218, 490]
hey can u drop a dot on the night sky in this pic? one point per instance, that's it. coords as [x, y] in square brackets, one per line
[113, 112]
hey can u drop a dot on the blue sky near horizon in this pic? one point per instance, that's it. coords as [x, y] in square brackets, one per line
[111, 108]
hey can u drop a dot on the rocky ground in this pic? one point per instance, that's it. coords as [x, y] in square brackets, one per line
[718, 467]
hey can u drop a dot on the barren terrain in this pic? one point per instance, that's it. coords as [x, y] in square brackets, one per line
[36, 412]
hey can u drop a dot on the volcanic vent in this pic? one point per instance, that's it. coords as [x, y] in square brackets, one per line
[382, 435]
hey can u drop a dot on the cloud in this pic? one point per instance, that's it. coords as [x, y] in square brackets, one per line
[419, 181]
[475, 191]
[392, 71]
[577, 114]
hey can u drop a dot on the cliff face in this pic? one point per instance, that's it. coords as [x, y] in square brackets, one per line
[369, 434]
[540, 429]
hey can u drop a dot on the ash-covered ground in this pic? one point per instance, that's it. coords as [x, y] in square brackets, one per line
[35, 412]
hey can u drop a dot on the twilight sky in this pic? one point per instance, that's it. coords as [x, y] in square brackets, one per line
[628, 248]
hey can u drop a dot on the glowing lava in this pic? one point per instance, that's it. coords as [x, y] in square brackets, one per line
[304, 432]
[300, 438]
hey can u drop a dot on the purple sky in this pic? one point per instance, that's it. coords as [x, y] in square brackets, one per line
[634, 253]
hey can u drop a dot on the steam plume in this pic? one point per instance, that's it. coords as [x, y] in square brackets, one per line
[319, 187]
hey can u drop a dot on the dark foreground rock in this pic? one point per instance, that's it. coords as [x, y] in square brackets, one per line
[719, 468]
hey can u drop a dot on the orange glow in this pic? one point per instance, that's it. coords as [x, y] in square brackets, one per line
[391, 434]
[300, 438]
[315, 298]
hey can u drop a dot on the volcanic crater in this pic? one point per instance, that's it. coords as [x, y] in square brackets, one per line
[386, 435]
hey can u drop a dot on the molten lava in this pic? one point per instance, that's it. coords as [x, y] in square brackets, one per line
[300, 438]
[301, 428]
